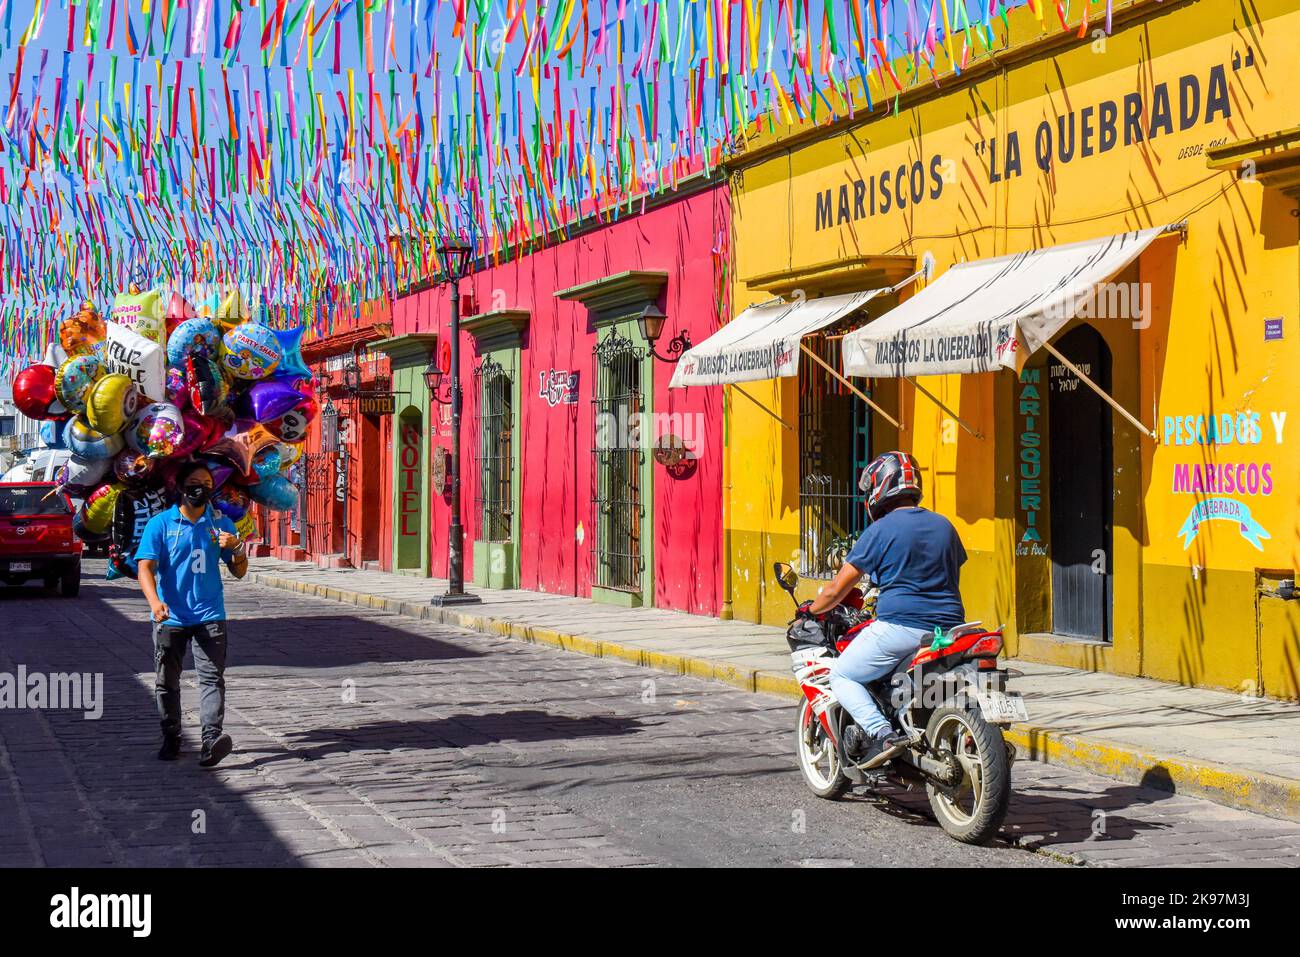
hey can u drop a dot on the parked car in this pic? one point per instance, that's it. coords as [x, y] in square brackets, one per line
[36, 539]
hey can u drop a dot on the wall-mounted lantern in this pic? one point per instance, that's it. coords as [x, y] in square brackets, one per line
[651, 323]
[329, 426]
[433, 376]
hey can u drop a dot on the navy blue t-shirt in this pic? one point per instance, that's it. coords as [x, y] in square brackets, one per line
[914, 556]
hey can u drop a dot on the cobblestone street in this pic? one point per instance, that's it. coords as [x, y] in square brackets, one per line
[368, 739]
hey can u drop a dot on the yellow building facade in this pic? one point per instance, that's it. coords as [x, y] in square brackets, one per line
[1184, 116]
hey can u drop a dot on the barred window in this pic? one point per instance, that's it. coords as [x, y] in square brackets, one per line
[834, 447]
[496, 459]
[617, 458]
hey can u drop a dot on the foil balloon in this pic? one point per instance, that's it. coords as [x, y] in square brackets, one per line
[141, 312]
[193, 337]
[199, 431]
[220, 472]
[178, 392]
[78, 475]
[111, 403]
[290, 452]
[137, 356]
[291, 363]
[208, 387]
[267, 462]
[74, 378]
[98, 510]
[239, 444]
[233, 309]
[52, 434]
[246, 527]
[131, 512]
[276, 493]
[157, 430]
[80, 529]
[269, 399]
[35, 393]
[89, 443]
[80, 334]
[292, 425]
[132, 468]
[250, 351]
[231, 501]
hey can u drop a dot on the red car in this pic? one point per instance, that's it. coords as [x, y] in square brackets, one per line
[36, 539]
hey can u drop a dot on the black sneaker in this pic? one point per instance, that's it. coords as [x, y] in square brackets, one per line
[215, 750]
[171, 747]
[868, 751]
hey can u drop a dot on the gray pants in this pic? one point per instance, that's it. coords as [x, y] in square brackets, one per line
[169, 644]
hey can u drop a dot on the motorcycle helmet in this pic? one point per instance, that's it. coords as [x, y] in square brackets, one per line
[892, 479]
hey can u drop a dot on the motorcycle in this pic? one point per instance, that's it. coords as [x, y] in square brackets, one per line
[949, 700]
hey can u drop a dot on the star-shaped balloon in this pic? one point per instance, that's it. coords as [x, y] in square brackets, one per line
[240, 443]
[233, 310]
[291, 363]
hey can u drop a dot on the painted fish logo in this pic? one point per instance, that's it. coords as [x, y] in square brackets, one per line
[1224, 510]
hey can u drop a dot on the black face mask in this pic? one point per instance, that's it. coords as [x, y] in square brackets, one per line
[197, 495]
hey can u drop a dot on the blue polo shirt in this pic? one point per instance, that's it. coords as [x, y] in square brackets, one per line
[189, 564]
[914, 556]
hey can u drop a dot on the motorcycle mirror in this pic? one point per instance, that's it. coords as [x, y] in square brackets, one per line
[786, 576]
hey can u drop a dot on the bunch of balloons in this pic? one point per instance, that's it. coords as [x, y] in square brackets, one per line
[160, 383]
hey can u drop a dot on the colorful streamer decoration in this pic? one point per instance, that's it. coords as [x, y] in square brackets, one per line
[311, 153]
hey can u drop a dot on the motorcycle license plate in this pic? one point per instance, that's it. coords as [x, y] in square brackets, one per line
[20, 566]
[1002, 707]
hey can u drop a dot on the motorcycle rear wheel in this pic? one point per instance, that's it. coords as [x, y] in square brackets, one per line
[972, 811]
[819, 761]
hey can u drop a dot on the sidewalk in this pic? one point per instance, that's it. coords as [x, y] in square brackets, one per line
[1238, 751]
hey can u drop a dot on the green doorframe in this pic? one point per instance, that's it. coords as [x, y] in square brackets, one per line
[615, 302]
[498, 336]
[628, 329]
[408, 355]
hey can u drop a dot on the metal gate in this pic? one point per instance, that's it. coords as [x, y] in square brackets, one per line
[617, 457]
[834, 448]
[319, 477]
[496, 460]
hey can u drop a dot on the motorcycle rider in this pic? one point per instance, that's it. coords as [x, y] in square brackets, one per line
[914, 557]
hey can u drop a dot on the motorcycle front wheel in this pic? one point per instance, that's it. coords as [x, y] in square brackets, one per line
[819, 761]
[972, 810]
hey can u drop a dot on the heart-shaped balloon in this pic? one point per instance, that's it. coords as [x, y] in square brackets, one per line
[199, 430]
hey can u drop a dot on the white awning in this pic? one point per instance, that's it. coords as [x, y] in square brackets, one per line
[763, 341]
[992, 313]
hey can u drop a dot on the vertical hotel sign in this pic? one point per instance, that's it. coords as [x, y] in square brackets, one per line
[408, 475]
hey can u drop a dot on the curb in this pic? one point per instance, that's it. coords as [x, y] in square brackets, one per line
[1253, 791]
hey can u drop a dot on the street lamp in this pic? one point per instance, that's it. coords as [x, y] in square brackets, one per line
[455, 257]
[651, 323]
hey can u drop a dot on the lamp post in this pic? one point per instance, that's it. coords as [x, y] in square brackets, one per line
[455, 258]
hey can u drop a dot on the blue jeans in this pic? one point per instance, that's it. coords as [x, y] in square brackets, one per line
[875, 652]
